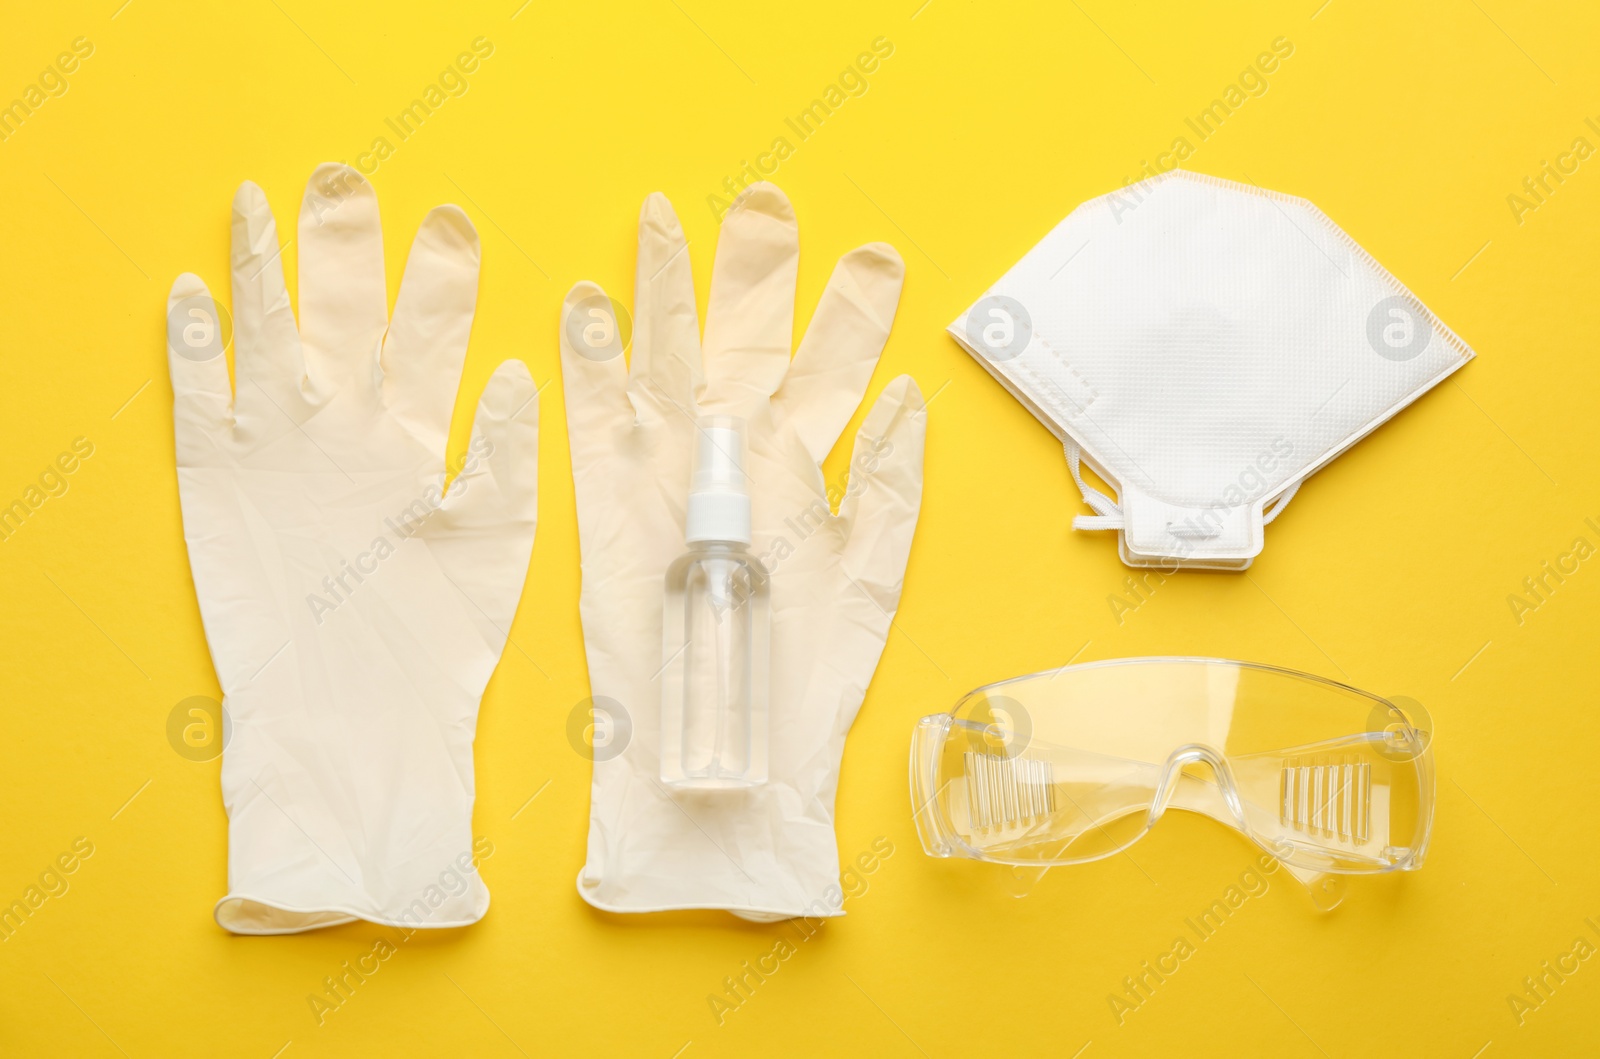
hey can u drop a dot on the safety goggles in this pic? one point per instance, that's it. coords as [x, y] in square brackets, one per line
[1076, 764]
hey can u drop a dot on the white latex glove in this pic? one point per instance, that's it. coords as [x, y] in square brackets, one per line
[767, 852]
[352, 617]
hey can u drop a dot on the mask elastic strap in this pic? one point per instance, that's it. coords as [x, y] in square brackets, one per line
[1107, 515]
[1281, 502]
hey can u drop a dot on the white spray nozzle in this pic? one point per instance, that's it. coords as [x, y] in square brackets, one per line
[719, 490]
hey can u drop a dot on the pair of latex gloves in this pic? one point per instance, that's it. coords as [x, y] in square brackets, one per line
[357, 594]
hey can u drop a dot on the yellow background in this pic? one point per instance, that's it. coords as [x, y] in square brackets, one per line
[1409, 124]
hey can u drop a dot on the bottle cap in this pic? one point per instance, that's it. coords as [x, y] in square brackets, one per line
[719, 490]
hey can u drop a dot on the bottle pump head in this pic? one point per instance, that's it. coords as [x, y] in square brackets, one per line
[719, 490]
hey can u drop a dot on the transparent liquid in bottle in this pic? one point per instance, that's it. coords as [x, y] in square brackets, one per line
[714, 682]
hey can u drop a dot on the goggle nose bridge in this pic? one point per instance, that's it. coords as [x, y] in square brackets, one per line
[1199, 754]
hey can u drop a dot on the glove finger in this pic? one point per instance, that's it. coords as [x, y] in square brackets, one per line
[344, 304]
[484, 529]
[266, 345]
[593, 377]
[505, 442]
[427, 343]
[666, 326]
[750, 318]
[841, 347]
[883, 497]
[202, 396]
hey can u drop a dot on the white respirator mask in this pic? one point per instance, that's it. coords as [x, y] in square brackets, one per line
[1203, 346]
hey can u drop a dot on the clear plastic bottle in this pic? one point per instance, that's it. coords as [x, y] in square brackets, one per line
[716, 628]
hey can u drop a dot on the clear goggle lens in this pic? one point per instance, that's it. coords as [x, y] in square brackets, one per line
[1076, 764]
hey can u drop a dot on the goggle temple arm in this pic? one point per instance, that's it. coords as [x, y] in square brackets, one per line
[926, 742]
[1325, 889]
